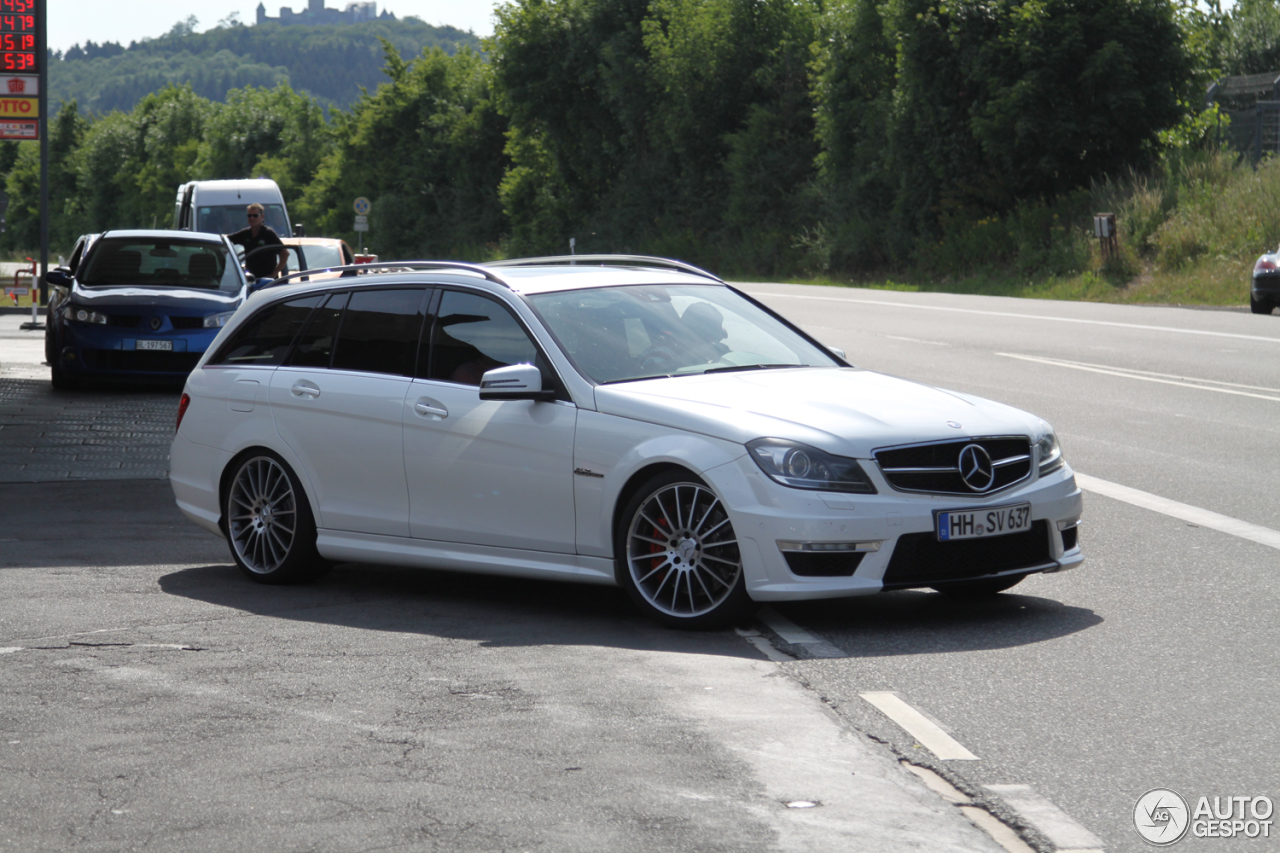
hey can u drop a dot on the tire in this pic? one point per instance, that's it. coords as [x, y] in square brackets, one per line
[59, 378]
[980, 588]
[677, 555]
[268, 522]
[1260, 306]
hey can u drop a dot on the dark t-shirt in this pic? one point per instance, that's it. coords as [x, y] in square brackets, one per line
[263, 264]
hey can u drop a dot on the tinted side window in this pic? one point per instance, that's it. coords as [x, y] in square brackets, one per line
[473, 334]
[380, 331]
[265, 337]
[315, 344]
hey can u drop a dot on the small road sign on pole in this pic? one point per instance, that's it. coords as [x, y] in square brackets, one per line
[362, 206]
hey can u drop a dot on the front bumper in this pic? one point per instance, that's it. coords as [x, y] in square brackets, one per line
[93, 351]
[893, 532]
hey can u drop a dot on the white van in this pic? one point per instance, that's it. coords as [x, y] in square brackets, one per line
[218, 207]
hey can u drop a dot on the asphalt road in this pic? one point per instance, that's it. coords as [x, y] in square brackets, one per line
[154, 699]
[1154, 664]
[173, 706]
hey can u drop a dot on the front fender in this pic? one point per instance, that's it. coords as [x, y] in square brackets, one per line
[611, 453]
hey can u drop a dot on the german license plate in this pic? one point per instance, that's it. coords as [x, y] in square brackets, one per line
[164, 345]
[988, 521]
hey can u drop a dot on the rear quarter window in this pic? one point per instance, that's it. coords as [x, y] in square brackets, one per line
[264, 338]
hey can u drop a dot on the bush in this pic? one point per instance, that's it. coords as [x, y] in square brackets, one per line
[1225, 210]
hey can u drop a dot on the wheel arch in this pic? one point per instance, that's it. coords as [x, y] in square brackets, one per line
[633, 484]
[228, 470]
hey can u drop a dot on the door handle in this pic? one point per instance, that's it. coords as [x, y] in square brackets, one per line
[429, 408]
[302, 388]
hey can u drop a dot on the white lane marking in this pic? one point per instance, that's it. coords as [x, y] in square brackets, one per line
[8, 650]
[917, 341]
[920, 727]
[1050, 318]
[793, 634]
[1184, 512]
[1056, 825]
[1000, 834]
[1162, 378]
[764, 647]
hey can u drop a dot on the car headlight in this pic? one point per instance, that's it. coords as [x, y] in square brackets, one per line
[803, 467]
[83, 315]
[217, 321]
[1050, 453]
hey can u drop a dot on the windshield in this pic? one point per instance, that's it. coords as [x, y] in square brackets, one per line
[616, 334]
[159, 262]
[230, 218]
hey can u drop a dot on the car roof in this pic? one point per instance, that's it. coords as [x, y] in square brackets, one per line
[527, 276]
[163, 234]
[549, 279]
[312, 241]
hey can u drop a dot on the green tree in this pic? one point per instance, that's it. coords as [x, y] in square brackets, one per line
[854, 76]
[22, 220]
[131, 164]
[272, 133]
[1252, 42]
[735, 121]
[426, 149]
[571, 77]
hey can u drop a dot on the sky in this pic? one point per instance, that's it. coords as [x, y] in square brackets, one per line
[77, 21]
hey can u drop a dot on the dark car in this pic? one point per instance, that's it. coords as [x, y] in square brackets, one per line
[139, 305]
[1264, 291]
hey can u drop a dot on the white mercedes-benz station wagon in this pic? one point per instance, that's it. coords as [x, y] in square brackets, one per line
[607, 419]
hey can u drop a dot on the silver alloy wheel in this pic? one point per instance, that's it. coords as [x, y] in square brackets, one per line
[681, 551]
[262, 517]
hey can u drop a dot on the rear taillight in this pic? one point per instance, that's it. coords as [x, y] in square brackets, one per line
[1264, 265]
[182, 410]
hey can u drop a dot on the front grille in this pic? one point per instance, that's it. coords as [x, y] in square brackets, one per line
[935, 468]
[823, 564]
[123, 321]
[143, 361]
[919, 559]
[187, 322]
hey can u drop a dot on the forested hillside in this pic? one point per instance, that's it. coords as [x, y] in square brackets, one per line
[329, 63]
[773, 137]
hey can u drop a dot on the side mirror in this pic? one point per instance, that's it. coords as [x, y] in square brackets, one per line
[58, 277]
[839, 352]
[514, 382]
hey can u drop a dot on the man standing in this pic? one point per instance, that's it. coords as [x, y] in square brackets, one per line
[264, 265]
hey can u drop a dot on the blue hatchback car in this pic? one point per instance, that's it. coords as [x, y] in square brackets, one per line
[139, 305]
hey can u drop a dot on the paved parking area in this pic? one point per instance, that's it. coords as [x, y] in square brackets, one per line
[99, 434]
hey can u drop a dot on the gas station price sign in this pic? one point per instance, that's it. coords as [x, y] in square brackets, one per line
[18, 24]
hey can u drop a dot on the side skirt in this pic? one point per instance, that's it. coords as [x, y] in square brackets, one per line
[343, 546]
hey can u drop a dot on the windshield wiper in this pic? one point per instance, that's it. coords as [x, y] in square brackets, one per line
[738, 367]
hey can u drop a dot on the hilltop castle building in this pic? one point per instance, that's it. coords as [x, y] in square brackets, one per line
[316, 13]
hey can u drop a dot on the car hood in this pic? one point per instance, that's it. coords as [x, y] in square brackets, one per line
[846, 411]
[196, 301]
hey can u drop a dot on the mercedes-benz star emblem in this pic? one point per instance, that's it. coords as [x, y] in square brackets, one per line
[976, 469]
[155, 324]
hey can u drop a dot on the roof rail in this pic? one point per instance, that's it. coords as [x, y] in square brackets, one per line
[350, 270]
[605, 260]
